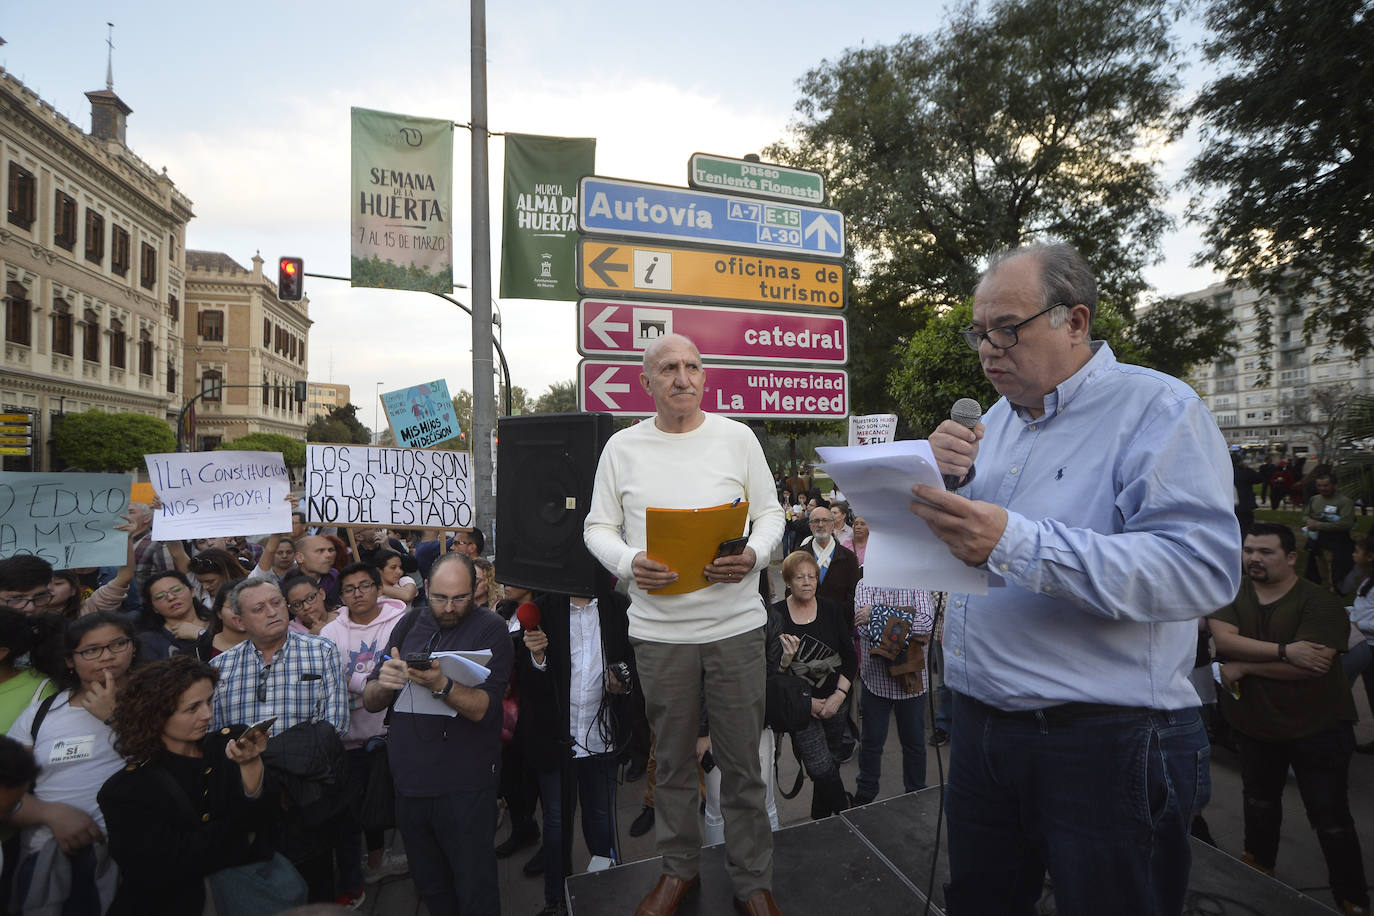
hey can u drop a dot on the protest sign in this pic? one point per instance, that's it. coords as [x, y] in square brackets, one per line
[421, 415]
[391, 487]
[872, 429]
[214, 494]
[67, 519]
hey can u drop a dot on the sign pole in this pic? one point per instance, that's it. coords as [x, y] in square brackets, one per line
[483, 390]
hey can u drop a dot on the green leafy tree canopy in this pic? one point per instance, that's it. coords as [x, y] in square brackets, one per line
[338, 424]
[292, 450]
[560, 397]
[97, 441]
[1285, 178]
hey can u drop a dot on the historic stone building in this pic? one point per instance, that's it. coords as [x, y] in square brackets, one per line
[92, 261]
[245, 351]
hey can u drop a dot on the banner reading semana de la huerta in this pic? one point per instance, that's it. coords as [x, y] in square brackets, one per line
[402, 233]
[538, 228]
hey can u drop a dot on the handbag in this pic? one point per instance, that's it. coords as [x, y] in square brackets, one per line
[272, 886]
[787, 702]
[379, 795]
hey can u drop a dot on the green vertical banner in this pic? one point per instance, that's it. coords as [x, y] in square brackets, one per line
[539, 224]
[402, 230]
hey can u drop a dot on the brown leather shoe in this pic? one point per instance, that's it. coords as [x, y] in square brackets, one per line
[667, 894]
[760, 903]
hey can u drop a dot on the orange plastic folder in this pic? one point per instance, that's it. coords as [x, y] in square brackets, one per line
[685, 540]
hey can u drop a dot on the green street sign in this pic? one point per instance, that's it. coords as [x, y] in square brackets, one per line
[762, 179]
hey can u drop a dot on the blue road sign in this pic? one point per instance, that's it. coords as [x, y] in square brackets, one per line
[609, 206]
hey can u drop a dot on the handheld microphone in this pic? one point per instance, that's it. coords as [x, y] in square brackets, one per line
[966, 412]
[528, 615]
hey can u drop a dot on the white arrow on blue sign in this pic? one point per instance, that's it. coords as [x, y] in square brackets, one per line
[609, 206]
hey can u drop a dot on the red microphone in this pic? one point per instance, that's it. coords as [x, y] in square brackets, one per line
[528, 615]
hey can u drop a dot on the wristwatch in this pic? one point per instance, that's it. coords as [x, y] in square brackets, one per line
[442, 694]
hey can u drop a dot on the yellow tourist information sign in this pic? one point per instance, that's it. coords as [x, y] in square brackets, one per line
[729, 275]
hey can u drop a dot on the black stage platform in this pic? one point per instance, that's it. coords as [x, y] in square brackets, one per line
[876, 860]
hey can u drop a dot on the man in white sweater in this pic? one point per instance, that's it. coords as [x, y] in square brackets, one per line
[710, 639]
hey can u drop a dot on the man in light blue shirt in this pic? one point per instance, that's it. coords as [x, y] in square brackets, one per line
[1101, 495]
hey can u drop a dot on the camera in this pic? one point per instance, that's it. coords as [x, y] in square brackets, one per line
[621, 670]
[420, 661]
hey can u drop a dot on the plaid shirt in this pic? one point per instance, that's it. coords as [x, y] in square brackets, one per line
[872, 670]
[150, 557]
[303, 683]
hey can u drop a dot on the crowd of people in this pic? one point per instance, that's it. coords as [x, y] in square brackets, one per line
[243, 724]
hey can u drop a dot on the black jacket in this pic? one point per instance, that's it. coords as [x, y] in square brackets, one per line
[163, 848]
[542, 728]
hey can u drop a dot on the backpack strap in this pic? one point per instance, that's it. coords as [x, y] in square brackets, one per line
[40, 714]
[398, 637]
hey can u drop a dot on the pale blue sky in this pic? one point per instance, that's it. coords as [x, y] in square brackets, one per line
[247, 106]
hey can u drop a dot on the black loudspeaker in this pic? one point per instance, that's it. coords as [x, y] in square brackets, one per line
[545, 467]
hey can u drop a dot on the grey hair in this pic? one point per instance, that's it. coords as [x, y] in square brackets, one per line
[235, 594]
[658, 343]
[139, 508]
[1066, 276]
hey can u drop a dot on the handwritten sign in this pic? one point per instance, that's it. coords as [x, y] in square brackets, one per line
[391, 487]
[872, 429]
[213, 494]
[67, 519]
[421, 415]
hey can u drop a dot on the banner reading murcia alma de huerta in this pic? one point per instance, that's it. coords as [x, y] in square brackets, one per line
[402, 201]
[539, 224]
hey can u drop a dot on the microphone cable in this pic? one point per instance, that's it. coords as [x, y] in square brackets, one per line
[940, 599]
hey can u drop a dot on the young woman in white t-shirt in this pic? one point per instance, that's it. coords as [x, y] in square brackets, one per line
[75, 748]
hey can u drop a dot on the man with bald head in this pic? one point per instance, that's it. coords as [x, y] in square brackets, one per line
[315, 558]
[1102, 499]
[710, 640]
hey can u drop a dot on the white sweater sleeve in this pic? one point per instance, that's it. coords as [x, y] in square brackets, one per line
[604, 526]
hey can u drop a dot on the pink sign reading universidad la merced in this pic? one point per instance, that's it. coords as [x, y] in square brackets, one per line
[739, 391]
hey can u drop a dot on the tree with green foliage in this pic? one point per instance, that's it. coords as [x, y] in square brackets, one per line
[1018, 120]
[936, 368]
[339, 424]
[560, 397]
[97, 441]
[1285, 178]
[292, 450]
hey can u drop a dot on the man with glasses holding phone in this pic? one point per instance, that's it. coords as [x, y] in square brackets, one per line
[1103, 501]
[294, 679]
[446, 765]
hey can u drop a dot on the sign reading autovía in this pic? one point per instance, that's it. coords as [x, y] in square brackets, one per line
[720, 173]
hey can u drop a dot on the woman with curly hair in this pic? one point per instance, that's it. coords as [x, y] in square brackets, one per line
[173, 621]
[190, 809]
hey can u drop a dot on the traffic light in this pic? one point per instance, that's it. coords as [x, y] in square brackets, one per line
[290, 279]
[301, 395]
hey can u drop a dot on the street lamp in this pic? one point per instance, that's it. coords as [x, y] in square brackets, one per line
[376, 430]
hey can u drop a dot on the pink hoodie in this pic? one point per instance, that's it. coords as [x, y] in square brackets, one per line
[362, 647]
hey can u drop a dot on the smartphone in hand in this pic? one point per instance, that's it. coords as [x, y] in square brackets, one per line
[733, 547]
[261, 727]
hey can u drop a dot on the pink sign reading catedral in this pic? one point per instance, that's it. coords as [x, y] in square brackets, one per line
[626, 328]
[783, 392]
